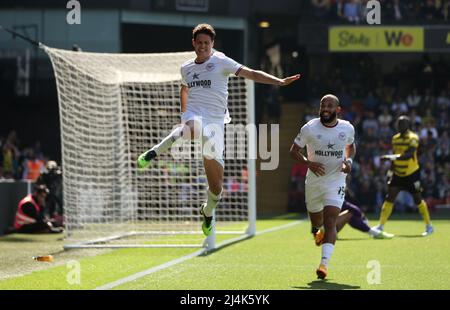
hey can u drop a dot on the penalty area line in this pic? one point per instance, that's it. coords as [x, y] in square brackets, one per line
[171, 263]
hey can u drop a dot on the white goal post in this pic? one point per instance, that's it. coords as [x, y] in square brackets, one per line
[112, 108]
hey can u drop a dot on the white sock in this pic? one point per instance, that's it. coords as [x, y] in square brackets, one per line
[168, 141]
[374, 232]
[212, 202]
[327, 250]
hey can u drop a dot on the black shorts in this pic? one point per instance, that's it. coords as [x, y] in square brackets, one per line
[410, 183]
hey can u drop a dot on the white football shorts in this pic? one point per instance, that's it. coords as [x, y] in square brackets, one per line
[326, 192]
[213, 135]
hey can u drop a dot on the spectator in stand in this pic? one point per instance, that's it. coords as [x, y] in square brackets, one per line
[427, 101]
[363, 10]
[38, 150]
[310, 112]
[399, 106]
[385, 134]
[446, 10]
[11, 155]
[8, 157]
[416, 120]
[442, 182]
[442, 154]
[429, 11]
[443, 122]
[429, 131]
[370, 122]
[429, 188]
[396, 10]
[414, 99]
[13, 139]
[232, 186]
[428, 117]
[371, 102]
[393, 11]
[443, 101]
[352, 11]
[385, 118]
[340, 9]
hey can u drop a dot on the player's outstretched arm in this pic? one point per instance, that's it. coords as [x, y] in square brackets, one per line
[265, 78]
[409, 153]
[390, 157]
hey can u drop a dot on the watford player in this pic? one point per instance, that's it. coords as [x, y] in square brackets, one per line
[404, 173]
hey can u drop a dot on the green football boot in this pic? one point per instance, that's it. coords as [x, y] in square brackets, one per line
[145, 158]
[207, 224]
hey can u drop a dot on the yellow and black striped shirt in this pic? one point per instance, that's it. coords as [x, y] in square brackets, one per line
[400, 144]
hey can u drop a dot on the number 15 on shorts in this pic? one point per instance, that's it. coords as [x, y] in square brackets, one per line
[341, 191]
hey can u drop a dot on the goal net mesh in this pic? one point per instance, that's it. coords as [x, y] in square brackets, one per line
[113, 107]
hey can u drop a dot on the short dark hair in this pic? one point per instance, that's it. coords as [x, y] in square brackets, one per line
[205, 29]
[335, 99]
[404, 118]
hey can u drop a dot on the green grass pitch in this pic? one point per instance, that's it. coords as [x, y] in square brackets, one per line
[282, 260]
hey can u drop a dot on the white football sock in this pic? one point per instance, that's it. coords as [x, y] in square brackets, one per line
[374, 232]
[211, 203]
[168, 141]
[327, 250]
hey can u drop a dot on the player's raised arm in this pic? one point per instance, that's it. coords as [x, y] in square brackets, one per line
[265, 78]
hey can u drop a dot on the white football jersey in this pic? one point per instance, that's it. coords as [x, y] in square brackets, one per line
[208, 84]
[326, 145]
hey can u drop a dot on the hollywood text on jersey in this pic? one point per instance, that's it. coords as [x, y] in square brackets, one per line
[202, 83]
[338, 154]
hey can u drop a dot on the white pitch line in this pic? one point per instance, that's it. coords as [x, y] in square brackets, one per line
[185, 258]
[278, 228]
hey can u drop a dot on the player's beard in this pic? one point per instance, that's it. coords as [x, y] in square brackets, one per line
[328, 119]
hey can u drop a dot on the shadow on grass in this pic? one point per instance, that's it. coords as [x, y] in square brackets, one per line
[17, 239]
[352, 239]
[35, 238]
[326, 285]
[409, 236]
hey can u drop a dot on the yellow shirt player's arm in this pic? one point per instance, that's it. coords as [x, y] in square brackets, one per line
[183, 97]
[409, 153]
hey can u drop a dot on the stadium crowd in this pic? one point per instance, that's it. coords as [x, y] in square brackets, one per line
[373, 105]
[392, 11]
[20, 163]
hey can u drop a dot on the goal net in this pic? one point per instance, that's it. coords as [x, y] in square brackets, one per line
[113, 107]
